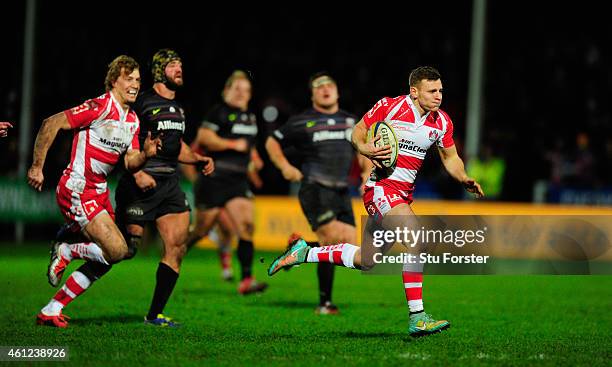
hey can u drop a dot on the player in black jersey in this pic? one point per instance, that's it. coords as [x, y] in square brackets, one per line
[228, 134]
[322, 136]
[153, 193]
[223, 232]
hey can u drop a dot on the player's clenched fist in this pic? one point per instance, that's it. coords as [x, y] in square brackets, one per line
[35, 178]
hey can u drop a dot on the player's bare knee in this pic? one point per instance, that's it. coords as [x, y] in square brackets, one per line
[249, 228]
[244, 233]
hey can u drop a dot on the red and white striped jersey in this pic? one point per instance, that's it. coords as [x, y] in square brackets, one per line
[103, 131]
[415, 134]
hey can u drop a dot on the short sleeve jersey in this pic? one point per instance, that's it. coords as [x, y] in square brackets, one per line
[415, 135]
[324, 143]
[103, 130]
[231, 123]
[166, 118]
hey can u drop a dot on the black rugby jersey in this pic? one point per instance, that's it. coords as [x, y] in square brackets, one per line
[323, 141]
[231, 123]
[160, 115]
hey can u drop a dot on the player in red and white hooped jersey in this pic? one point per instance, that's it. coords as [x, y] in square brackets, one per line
[416, 131]
[102, 132]
[418, 123]
[104, 128]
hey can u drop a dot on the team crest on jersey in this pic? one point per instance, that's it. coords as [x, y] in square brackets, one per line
[90, 206]
[172, 109]
[434, 135]
[331, 122]
[350, 121]
[109, 127]
[371, 209]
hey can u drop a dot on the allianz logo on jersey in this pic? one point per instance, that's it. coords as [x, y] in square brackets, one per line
[332, 135]
[171, 125]
[244, 129]
[114, 144]
[409, 146]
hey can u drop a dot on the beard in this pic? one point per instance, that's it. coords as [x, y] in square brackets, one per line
[170, 84]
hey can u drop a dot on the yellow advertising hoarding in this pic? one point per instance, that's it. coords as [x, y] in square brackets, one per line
[276, 217]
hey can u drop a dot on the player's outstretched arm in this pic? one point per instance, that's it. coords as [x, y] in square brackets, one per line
[134, 159]
[45, 137]
[454, 166]
[275, 152]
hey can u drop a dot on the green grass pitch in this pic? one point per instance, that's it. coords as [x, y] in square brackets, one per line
[496, 320]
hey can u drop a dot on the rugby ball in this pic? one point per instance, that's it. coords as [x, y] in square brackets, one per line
[387, 137]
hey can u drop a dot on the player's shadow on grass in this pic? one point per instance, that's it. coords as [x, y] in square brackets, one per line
[109, 319]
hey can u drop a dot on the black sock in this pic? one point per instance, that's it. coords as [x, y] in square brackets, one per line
[94, 270]
[312, 244]
[166, 279]
[325, 273]
[245, 256]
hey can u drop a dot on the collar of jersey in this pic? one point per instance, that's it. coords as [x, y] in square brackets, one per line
[122, 113]
[418, 119]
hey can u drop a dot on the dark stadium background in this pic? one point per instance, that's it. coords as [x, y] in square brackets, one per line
[547, 76]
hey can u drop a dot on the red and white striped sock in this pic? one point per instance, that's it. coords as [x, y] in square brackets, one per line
[75, 285]
[226, 259]
[413, 285]
[86, 251]
[340, 254]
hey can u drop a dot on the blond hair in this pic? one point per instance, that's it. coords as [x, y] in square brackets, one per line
[235, 75]
[122, 62]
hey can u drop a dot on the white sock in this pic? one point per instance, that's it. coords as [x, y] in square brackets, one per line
[53, 308]
[340, 254]
[412, 276]
[87, 251]
[64, 251]
[75, 285]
